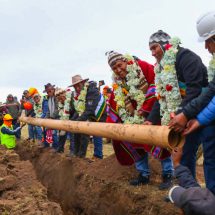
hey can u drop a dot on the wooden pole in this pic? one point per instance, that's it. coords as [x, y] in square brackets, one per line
[147, 134]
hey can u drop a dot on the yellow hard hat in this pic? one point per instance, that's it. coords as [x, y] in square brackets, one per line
[7, 117]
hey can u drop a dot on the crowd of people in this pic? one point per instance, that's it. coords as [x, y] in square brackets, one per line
[178, 92]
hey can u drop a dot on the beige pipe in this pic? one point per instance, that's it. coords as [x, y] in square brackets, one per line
[147, 134]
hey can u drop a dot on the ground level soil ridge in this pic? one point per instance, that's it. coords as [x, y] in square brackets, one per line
[20, 191]
[95, 188]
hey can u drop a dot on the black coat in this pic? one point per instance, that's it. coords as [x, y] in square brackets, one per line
[92, 100]
[191, 71]
[192, 109]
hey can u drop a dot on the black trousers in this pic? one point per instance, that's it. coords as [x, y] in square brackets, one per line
[80, 144]
[61, 142]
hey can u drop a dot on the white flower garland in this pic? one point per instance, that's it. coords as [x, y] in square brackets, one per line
[211, 68]
[65, 108]
[166, 81]
[133, 92]
[38, 108]
[81, 101]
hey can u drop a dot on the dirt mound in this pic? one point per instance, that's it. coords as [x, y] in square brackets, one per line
[96, 188]
[20, 191]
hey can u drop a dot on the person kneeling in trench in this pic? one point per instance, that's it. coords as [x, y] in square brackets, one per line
[8, 133]
[188, 195]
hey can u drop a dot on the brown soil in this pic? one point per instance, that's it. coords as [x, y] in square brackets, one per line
[20, 191]
[98, 188]
[80, 187]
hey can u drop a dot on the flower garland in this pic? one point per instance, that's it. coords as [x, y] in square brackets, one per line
[132, 91]
[166, 81]
[211, 68]
[38, 108]
[80, 102]
[65, 108]
[60, 109]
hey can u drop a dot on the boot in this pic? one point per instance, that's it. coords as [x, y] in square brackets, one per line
[60, 150]
[140, 180]
[167, 182]
[70, 155]
[95, 158]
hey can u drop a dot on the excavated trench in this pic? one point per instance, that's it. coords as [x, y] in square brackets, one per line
[98, 188]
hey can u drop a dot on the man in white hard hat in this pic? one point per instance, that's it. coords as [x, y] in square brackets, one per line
[206, 31]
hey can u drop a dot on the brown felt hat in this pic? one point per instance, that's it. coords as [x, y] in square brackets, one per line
[77, 79]
[48, 86]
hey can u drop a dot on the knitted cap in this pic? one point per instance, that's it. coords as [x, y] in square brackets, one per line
[113, 57]
[160, 37]
[10, 95]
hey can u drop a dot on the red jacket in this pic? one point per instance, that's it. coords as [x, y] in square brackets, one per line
[128, 153]
[148, 72]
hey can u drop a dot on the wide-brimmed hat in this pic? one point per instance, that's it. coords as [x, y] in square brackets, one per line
[47, 86]
[77, 79]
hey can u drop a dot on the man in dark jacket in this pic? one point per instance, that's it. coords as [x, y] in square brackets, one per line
[52, 113]
[192, 77]
[27, 104]
[14, 109]
[205, 28]
[88, 105]
[188, 195]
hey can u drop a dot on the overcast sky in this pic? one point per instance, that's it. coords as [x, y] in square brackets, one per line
[51, 40]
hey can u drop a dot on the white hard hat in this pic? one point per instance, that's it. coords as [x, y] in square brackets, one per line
[206, 26]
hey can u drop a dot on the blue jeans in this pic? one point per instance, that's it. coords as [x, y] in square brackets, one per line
[190, 149]
[98, 147]
[62, 141]
[208, 141]
[38, 133]
[206, 136]
[71, 146]
[142, 166]
[31, 131]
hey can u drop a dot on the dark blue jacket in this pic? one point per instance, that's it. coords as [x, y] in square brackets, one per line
[208, 114]
[9, 131]
[190, 71]
[92, 100]
[192, 109]
[45, 107]
[185, 178]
